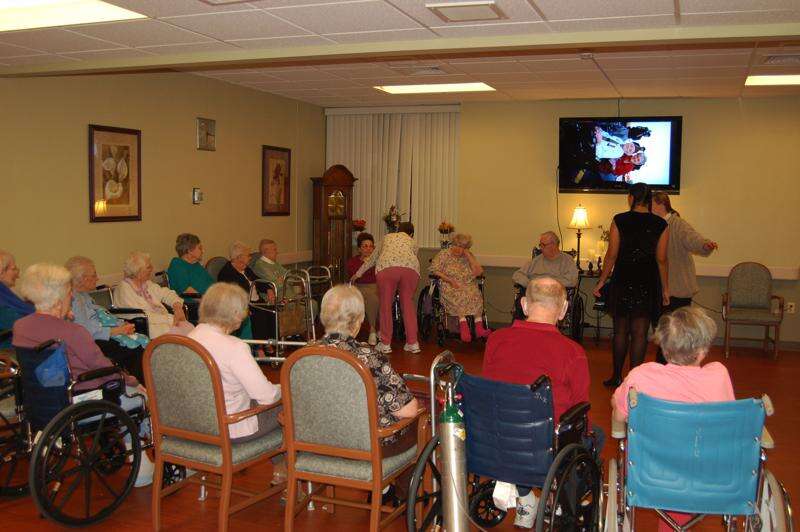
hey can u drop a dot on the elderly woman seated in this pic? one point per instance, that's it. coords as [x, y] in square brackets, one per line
[12, 307]
[137, 290]
[457, 267]
[237, 271]
[116, 338]
[48, 287]
[186, 274]
[685, 336]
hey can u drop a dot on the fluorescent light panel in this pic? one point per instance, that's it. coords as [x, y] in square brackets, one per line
[793, 79]
[29, 14]
[434, 88]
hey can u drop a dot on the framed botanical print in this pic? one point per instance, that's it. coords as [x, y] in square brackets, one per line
[115, 174]
[276, 172]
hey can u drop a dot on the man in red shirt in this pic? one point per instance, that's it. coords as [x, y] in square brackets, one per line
[528, 349]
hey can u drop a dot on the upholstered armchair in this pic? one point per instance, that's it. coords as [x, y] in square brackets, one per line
[749, 301]
[332, 433]
[190, 425]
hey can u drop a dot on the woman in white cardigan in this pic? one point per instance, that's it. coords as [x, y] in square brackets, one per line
[137, 290]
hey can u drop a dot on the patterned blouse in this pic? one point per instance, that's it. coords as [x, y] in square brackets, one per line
[396, 249]
[393, 394]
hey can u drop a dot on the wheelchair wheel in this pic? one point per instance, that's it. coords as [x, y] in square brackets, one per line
[576, 324]
[173, 474]
[774, 512]
[571, 492]
[14, 458]
[611, 519]
[424, 316]
[482, 509]
[424, 504]
[84, 463]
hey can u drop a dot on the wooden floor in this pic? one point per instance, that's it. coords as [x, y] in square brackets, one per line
[753, 373]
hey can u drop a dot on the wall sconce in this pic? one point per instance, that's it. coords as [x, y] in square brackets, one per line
[100, 207]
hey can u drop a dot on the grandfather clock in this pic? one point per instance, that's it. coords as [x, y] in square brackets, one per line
[333, 219]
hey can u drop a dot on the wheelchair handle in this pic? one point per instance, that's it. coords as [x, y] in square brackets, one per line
[48, 343]
[98, 373]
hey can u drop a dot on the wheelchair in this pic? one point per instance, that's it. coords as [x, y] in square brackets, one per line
[572, 324]
[697, 459]
[76, 452]
[285, 323]
[431, 313]
[104, 296]
[511, 436]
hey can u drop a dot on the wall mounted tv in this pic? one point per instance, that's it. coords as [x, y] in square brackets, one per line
[607, 155]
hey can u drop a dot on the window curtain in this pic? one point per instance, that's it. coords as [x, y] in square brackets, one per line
[403, 159]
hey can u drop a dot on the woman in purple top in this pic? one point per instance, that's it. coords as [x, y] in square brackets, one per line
[366, 284]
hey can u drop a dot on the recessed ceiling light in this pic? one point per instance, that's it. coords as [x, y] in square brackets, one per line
[466, 11]
[434, 88]
[28, 14]
[793, 79]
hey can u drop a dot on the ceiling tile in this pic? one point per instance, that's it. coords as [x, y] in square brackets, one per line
[581, 9]
[614, 23]
[642, 73]
[626, 62]
[490, 67]
[413, 34]
[367, 15]
[266, 4]
[521, 77]
[101, 55]
[423, 80]
[718, 6]
[169, 8]
[646, 88]
[716, 60]
[301, 75]
[55, 40]
[572, 75]
[740, 17]
[765, 70]
[487, 30]
[280, 42]
[237, 76]
[141, 33]
[556, 65]
[515, 11]
[362, 71]
[9, 50]
[200, 47]
[238, 25]
[711, 72]
[771, 91]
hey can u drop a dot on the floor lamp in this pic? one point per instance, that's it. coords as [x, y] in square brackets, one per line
[580, 220]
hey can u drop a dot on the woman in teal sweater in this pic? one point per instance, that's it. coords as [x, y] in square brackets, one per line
[186, 274]
[12, 307]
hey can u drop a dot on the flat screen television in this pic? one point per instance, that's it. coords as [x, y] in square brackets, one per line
[610, 154]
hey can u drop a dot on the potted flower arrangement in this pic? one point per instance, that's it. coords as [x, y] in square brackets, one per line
[445, 228]
[602, 244]
[392, 220]
[359, 225]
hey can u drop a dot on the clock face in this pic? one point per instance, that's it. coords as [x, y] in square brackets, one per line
[336, 206]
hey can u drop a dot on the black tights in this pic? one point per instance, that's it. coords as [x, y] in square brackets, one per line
[629, 332]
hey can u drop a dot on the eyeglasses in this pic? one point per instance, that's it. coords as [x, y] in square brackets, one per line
[544, 244]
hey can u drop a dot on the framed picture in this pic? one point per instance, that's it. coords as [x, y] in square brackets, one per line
[206, 134]
[276, 172]
[115, 174]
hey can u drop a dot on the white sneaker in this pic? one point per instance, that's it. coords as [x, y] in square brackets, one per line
[373, 339]
[526, 511]
[411, 348]
[383, 348]
[146, 469]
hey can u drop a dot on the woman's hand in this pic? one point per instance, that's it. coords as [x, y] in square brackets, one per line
[124, 329]
[665, 298]
[178, 315]
[597, 288]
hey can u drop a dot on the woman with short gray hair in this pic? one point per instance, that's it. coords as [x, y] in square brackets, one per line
[138, 290]
[458, 270]
[186, 273]
[12, 307]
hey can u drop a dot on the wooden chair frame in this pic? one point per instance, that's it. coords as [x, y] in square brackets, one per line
[726, 307]
[228, 468]
[374, 455]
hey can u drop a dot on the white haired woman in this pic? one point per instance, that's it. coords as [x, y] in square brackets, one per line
[12, 307]
[685, 336]
[342, 313]
[458, 269]
[237, 271]
[137, 290]
[116, 338]
[48, 287]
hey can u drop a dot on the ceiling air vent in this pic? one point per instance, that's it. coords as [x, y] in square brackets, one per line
[782, 60]
[466, 11]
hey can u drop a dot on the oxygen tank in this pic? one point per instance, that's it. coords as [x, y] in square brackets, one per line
[452, 437]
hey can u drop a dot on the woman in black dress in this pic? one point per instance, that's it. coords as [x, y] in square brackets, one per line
[637, 255]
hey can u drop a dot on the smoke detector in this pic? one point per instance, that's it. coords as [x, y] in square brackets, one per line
[782, 60]
[466, 11]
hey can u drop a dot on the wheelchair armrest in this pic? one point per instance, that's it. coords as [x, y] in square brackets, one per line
[47, 343]
[619, 429]
[766, 439]
[576, 413]
[190, 295]
[400, 425]
[125, 310]
[244, 414]
[98, 373]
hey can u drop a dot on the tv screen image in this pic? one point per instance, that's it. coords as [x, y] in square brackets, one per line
[610, 154]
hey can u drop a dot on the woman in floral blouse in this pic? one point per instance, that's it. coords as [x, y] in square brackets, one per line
[342, 314]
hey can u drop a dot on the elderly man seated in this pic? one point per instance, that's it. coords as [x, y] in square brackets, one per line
[266, 267]
[528, 349]
[552, 262]
[684, 335]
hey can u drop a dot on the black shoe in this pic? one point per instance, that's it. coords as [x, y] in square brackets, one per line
[387, 499]
[613, 382]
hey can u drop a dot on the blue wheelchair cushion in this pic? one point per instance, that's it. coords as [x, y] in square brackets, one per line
[694, 457]
[53, 371]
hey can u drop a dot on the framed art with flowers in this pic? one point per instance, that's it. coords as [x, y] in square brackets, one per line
[115, 174]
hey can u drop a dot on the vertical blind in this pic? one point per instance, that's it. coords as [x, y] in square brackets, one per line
[403, 159]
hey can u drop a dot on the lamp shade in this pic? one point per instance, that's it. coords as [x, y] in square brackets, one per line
[580, 218]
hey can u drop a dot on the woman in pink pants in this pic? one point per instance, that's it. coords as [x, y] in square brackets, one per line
[397, 267]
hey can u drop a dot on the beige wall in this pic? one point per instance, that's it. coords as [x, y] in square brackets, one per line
[44, 176]
[738, 182]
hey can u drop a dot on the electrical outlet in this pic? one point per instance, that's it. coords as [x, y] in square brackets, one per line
[791, 308]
